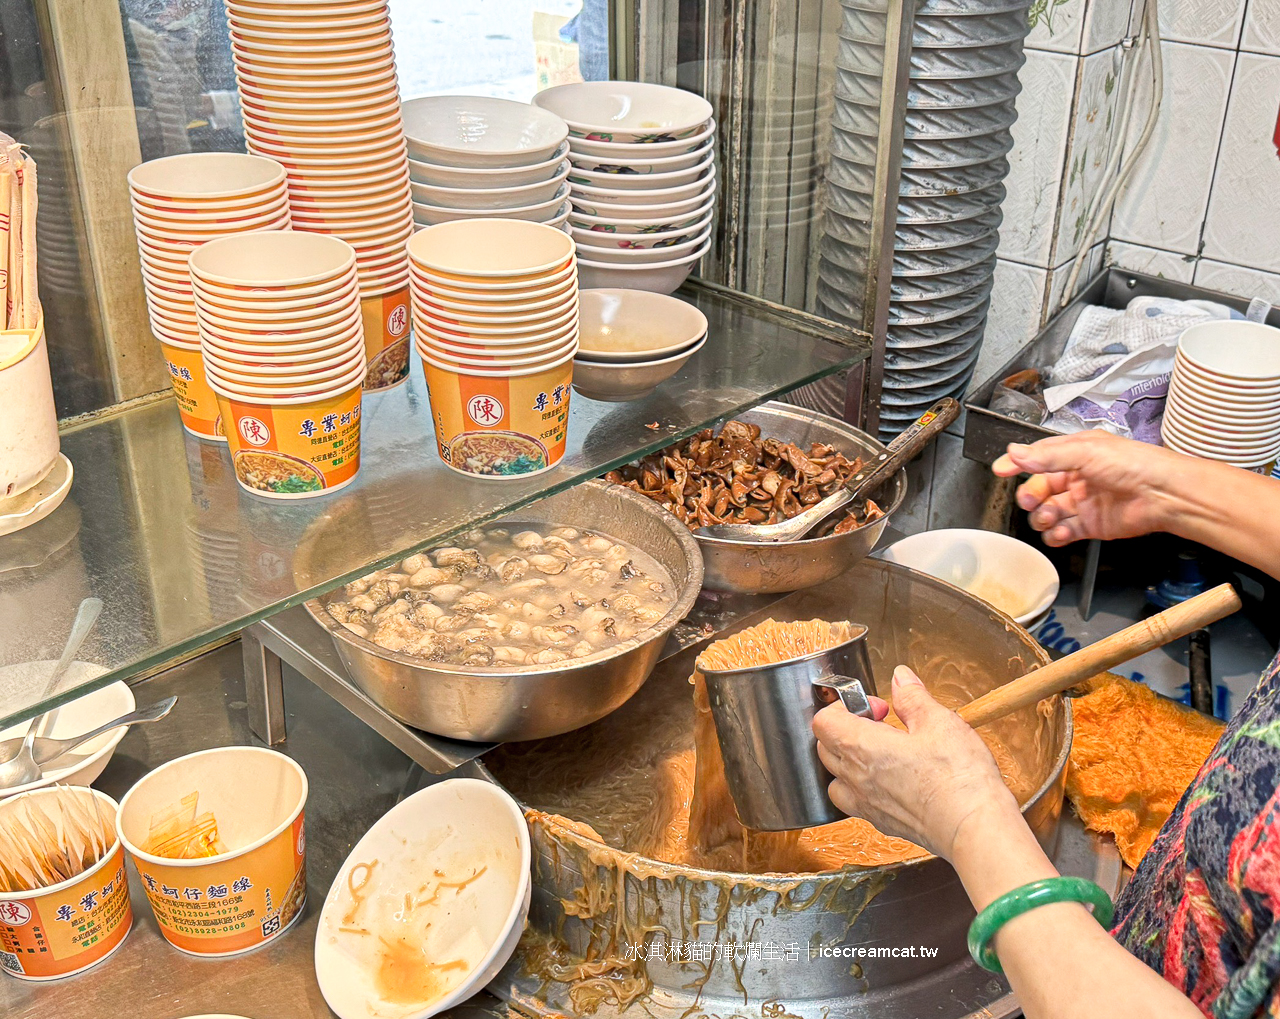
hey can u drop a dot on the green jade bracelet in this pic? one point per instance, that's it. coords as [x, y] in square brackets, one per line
[1023, 900]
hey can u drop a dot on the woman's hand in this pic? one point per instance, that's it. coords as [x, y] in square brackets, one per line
[924, 784]
[1094, 485]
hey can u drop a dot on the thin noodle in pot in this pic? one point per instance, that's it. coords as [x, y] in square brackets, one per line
[659, 791]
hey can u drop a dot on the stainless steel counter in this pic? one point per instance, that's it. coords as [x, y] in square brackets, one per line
[355, 776]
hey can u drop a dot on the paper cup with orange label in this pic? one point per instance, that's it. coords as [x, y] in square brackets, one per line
[65, 928]
[255, 884]
[386, 337]
[197, 404]
[507, 424]
[293, 447]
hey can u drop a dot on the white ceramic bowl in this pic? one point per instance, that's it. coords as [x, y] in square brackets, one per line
[643, 181]
[429, 214]
[620, 208]
[86, 763]
[1234, 350]
[517, 197]
[618, 383]
[484, 177]
[626, 111]
[1003, 571]
[642, 256]
[478, 131]
[583, 162]
[606, 196]
[658, 277]
[627, 326]
[652, 150]
[657, 224]
[458, 827]
[638, 242]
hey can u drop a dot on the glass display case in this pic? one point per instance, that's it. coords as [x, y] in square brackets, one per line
[155, 525]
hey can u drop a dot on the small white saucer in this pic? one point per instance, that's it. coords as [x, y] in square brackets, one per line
[37, 502]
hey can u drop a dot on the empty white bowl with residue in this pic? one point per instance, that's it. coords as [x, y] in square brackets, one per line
[429, 905]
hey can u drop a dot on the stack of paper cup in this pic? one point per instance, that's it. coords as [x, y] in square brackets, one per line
[180, 202]
[283, 349]
[318, 93]
[495, 313]
[1224, 396]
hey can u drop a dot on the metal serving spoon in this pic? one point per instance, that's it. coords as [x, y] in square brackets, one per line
[856, 490]
[23, 768]
[45, 749]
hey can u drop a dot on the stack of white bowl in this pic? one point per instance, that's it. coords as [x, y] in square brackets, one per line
[495, 319]
[319, 93]
[632, 341]
[179, 203]
[643, 180]
[1224, 396]
[472, 157]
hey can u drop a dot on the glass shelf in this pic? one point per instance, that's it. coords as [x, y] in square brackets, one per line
[156, 526]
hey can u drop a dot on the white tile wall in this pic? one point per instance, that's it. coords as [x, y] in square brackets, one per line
[1164, 204]
[1056, 25]
[1152, 261]
[1243, 224]
[1238, 280]
[1106, 23]
[1262, 27]
[1093, 132]
[1036, 164]
[1017, 300]
[1201, 22]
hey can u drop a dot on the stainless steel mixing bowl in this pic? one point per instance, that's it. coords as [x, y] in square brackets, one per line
[744, 567]
[531, 702]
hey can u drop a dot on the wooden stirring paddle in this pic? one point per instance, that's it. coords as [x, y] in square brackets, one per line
[1122, 646]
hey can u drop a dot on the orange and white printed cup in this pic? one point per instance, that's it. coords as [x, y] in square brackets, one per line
[243, 898]
[293, 448]
[66, 928]
[197, 404]
[386, 338]
[504, 425]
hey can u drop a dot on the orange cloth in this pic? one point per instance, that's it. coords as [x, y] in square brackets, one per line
[1132, 757]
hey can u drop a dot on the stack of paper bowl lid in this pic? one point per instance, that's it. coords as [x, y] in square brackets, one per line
[318, 93]
[495, 316]
[282, 342]
[960, 105]
[643, 180]
[1224, 395]
[474, 157]
[179, 203]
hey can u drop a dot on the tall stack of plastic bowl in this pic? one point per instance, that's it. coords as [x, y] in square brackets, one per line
[643, 181]
[471, 157]
[180, 202]
[495, 314]
[1224, 396]
[283, 348]
[318, 93]
[963, 82]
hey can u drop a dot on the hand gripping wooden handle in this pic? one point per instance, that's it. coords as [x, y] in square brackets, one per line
[1107, 653]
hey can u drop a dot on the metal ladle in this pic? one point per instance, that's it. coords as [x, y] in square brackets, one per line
[45, 750]
[23, 768]
[856, 490]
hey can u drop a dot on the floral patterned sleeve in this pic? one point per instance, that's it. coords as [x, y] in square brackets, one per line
[1202, 908]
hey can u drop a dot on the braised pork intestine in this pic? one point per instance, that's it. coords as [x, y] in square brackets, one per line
[517, 595]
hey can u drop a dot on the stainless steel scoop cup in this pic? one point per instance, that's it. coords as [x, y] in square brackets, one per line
[763, 717]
